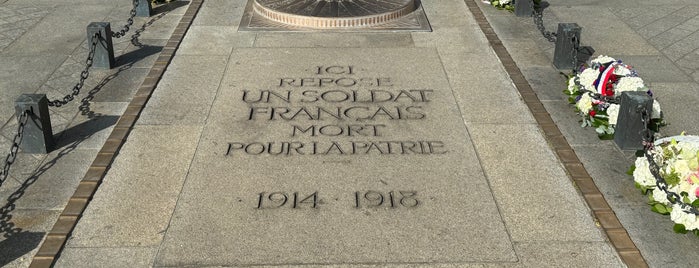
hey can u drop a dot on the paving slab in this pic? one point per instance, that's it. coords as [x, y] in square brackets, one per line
[348, 173]
[104, 257]
[134, 205]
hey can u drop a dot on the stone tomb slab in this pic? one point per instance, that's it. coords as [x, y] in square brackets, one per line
[335, 156]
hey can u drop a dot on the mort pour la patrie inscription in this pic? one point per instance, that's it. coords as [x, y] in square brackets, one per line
[338, 102]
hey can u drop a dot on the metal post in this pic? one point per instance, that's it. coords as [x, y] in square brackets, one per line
[566, 41]
[38, 136]
[524, 8]
[104, 51]
[144, 9]
[630, 127]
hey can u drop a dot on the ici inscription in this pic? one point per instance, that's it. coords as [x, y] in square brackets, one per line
[337, 102]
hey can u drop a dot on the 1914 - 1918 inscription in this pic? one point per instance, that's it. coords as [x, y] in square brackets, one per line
[337, 102]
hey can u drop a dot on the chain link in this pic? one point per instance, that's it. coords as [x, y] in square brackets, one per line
[660, 183]
[538, 17]
[83, 75]
[16, 141]
[125, 28]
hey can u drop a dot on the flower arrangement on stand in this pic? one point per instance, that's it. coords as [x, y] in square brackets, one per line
[596, 89]
[508, 5]
[672, 180]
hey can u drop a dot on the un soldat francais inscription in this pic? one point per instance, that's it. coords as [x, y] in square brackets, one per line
[337, 102]
[329, 156]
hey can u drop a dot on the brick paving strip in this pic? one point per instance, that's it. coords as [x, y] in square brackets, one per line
[603, 213]
[57, 237]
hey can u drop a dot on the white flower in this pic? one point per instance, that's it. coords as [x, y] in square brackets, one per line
[689, 220]
[571, 85]
[584, 104]
[622, 70]
[602, 59]
[660, 196]
[681, 167]
[613, 112]
[588, 76]
[657, 112]
[642, 174]
[505, 2]
[628, 84]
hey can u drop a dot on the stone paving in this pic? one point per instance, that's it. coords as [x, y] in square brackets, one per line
[43, 183]
[662, 42]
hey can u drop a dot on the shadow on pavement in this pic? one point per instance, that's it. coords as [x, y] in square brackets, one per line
[18, 244]
[169, 6]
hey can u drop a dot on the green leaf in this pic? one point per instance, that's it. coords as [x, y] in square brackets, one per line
[696, 204]
[672, 179]
[606, 137]
[632, 168]
[679, 228]
[660, 208]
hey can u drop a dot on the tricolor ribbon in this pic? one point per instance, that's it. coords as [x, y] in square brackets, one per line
[603, 79]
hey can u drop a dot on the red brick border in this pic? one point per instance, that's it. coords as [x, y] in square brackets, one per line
[55, 240]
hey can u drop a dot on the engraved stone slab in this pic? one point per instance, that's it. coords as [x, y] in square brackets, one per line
[335, 156]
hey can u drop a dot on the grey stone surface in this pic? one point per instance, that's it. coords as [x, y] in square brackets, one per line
[53, 183]
[537, 200]
[119, 86]
[16, 249]
[220, 13]
[438, 230]
[470, 91]
[607, 166]
[214, 40]
[656, 69]
[105, 257]
[90, 130]
[72, 31]
[567, 254]
[678, 103]
[593, 35]
[549, 81]
[196, 79]
[134, 204]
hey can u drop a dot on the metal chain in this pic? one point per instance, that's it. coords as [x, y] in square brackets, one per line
[538, 17]
[660, 182]
[16, 141]
[125, 28]
[83, 75]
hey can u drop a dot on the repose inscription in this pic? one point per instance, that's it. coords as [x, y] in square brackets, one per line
[337, 102]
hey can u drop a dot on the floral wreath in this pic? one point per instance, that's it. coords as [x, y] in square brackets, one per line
[595, 90]
[671, 181]
[508, 5]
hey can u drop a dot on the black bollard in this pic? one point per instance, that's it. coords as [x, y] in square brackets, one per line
[104, 50]
[143, 9]
[630, 127]
[567, 40]
[38, 136]
[524, 8]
